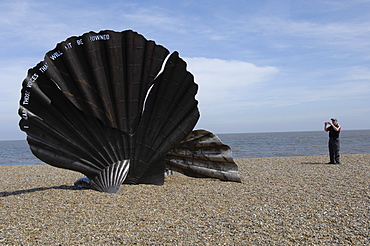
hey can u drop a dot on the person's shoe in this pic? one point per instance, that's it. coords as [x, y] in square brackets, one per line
[330, 163]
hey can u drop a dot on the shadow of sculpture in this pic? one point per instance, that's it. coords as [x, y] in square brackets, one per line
[18, 192]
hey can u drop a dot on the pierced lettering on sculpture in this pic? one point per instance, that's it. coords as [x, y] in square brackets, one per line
[24, 114]
[79, 42]
[55, 55]
[68, 46]
[32, 80]
[99, 37]
[26, 97]
[44, 67]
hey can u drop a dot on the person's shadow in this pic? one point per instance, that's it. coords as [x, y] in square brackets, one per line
[17, 192]
[313, 163]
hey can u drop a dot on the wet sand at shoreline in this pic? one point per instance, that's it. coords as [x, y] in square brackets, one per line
[281, 201]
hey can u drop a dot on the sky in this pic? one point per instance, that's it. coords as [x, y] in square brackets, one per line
[261, 65]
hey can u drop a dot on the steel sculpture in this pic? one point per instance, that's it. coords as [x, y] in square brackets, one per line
[100, 105]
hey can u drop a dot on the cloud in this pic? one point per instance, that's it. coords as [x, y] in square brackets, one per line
[358, 73]
[152, 17]
[349, 35]
[236, 85]
[219, 79]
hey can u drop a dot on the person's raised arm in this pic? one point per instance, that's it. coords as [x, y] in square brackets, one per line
[326, 128]
[336, 128]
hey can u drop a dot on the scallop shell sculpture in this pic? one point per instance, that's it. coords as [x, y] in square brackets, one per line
[202, 154]
[110, 105]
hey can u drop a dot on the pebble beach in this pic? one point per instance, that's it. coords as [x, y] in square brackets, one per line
[281, 201]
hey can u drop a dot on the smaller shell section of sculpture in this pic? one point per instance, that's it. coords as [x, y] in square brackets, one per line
[98, 105]
[203, 155]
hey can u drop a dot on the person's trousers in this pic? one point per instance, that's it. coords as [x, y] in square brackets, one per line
[334, 146]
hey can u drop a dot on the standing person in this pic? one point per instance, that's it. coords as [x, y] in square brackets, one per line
[334, 129]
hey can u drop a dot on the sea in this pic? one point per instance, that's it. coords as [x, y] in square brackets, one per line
[243, 145]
